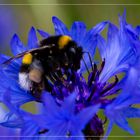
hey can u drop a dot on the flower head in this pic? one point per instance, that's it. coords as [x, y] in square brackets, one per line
[57, 120]
[121, 108]
[10, 72]
[69, 94]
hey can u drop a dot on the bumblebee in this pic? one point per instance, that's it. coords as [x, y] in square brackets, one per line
[41, 67]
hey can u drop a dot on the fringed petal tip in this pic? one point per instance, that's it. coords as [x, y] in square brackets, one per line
[78, 32]
[32, 38]
[16, 45]
[59, 26]
[43, 33]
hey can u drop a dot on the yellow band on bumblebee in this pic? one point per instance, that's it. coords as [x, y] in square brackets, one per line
[27, 59]
[63, 41]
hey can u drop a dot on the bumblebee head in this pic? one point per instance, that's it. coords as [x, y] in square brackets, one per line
[64, 41]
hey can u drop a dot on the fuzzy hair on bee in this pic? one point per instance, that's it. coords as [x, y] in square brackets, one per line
[42, 66]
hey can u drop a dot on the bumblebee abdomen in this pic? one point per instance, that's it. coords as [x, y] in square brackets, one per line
[24, 81]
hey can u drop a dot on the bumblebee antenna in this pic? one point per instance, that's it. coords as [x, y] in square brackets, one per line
[13, 58]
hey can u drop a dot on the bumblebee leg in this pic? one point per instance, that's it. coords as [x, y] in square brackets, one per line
[37, 89]
[48, 85]
[52, 78]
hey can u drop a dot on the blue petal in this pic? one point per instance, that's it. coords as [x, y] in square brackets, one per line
[60, 28]
[89, 43]
[108, 131]
[131, 112]
[90, 37]
[112, 33]
[13, 123]
[78, 31]
[11, 70]
[3, 58]
[18, 95]
[102, 46]
[58, 131]
[43, 33]
[16, 45]
[119, 110]
[81, 119]
[3, 112]
[30, 129]
[117, 116]
[118, 49]
[138, 30]
[134, 34]
[13, 117]
[122, 122]
[89, 47]
[126, 43]
[122, 19]
[38, 119]
[98, 28]
[68, 105]
[111, 52]
[125, 98]
[54, 136]
[32, 38]
[77, 135]
[50, 104]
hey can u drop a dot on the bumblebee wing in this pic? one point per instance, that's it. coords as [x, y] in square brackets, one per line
[13, 58]
[22, 54]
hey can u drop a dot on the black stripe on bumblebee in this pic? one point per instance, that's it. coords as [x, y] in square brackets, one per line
[45, 63]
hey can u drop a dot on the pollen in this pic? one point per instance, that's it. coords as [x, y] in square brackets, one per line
[27, 59]
[63, 41]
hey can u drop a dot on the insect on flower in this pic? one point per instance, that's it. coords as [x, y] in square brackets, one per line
[43, 65]
[54, 74]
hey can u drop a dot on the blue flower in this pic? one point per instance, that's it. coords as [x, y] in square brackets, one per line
[118, 51]
[5, 132]
[63, 112]
[9, 73]
[56, 121]
[17, 47]
[121, 108]
[118, 55]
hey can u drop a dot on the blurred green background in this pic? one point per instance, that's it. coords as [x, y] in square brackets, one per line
[18, 17]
